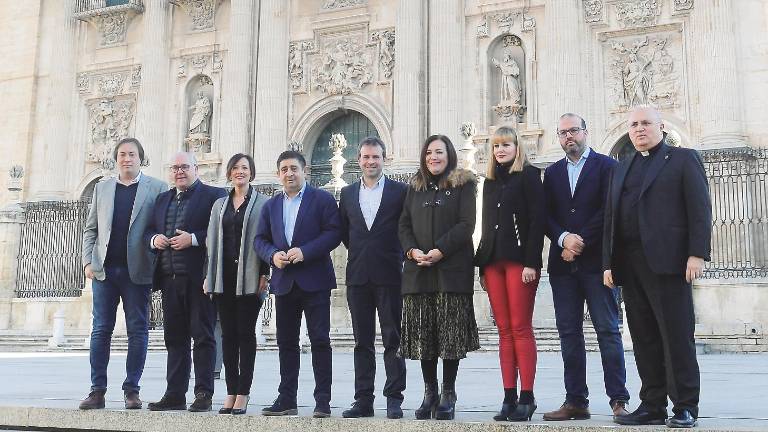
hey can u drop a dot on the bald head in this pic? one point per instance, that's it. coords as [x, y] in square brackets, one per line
[183, 170]
[645, 127]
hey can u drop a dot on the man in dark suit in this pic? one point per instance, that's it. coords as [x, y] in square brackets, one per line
[657, 236]
[370, 210]
[575, 188]
[177, 234]
[298, 230]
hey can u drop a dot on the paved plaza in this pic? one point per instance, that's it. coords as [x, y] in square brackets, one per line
[734, 387]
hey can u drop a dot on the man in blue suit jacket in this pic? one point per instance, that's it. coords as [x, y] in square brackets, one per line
[177, 233]
[298, 230]
[575, 189]
[370, 212]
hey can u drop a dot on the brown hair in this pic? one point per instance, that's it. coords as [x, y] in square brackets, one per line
[502, 135]
[235, 159]
[133, 141]
[453, 160]
[373, 142]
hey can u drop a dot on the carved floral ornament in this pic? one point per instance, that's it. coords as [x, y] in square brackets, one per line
[202, 12]
[638, 13]
[111, 22]
[504, 21]
[682, 5]
[386, 44]
[593, 11]
[338, 4]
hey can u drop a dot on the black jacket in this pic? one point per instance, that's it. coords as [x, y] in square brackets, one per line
[513, 222]
[443, 219]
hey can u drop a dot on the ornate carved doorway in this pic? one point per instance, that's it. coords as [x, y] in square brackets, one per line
[355, 126]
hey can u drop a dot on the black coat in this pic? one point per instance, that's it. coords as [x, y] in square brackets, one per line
[513, 222]
[442, 219]
[675, 212]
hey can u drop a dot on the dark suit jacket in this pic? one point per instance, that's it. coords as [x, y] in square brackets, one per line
[675, 212]
[316, 233]
[580, 214]
[376, 255]
[198, 213]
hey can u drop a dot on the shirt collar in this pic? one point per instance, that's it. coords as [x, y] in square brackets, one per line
[247, 195]
[379, 182]
[134, 181]
[190, 189]
[583, 157]
[299, 195]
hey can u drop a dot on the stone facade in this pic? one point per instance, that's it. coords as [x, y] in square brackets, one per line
[222, 76]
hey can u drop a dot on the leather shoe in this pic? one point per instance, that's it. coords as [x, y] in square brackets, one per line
[168, 403]
[132, 400]
[95, 400]
[357, 410]
[322, 410]
[394, 411]
[523, 412]
[505, 411]
[568, 411]
[642, 416]
[446, 409]
[428, 406]
[619, 408]
[202, 403]
[280, 408]
[683, 419]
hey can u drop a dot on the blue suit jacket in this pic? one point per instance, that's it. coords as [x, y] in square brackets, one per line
[581, 214]
[316, 233]
[198, 213]
[375, 255]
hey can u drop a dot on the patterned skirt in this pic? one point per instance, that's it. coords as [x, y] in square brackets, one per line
[438, 325]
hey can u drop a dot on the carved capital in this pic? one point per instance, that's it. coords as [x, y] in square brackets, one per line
[202, 12]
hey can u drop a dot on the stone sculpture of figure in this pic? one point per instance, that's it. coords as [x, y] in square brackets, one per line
[199, 123]
[510, 81]
[637, 80]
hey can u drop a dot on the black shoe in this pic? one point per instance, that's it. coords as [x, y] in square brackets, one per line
[223, 410]
[279, 408]
[322, 410]
[394, 411]
[244, 409]
[132, 400]
[683, 419]
[95, 400]
[642, 416]
[523, 412]
[357, 410]
[431, 398]
[202, 403]
[168, 403]
[505, 411]
[447, 408]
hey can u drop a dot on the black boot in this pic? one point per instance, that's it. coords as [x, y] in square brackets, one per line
[427, 409]
[505, 411]
[523, 411]
[447, 408]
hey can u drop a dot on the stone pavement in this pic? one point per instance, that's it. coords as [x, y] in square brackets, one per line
[734, 394]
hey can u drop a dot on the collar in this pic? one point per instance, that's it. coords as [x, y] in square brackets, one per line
[189, 190]
[583, 157]
[379, 182]
[247, 195]
[299, 195]
[653, 150]
[134, 181]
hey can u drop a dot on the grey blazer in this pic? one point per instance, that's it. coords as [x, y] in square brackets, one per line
[98, 227]
[249, 261]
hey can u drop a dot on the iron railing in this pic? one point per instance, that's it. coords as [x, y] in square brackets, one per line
[89, 7]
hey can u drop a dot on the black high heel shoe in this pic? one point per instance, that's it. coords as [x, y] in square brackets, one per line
[523, 412]
[428, 406]
[224, 410]
[505, 411]
[447, 408]
[244, 409]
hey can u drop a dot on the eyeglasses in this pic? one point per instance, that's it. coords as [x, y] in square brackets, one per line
[180, 168]
[573, 131]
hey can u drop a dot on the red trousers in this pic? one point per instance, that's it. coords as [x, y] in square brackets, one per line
[512, 305]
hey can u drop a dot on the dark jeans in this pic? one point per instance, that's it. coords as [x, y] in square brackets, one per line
[364, 301]
[188, 314]
[106, 295]
[569, 293]
[238, 317]
[316, 306]
[661, 322]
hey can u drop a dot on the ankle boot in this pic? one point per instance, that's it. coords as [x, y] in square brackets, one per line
[447, 408]
[427, 409]
[523, 412]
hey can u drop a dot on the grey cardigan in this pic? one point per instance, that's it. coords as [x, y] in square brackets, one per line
[248, 268]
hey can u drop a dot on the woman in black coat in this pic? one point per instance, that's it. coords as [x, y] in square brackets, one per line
[509, 257]
[436, 228]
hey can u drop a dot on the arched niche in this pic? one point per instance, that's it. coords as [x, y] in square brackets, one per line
[198, 106]
[506, 68]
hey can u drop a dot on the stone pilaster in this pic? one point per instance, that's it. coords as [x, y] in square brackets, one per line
[409, 128]
[57, 117]
[270, 126]
[237, 83]
[11, 221]
[446, 41]
[151, 116]
[719, 107]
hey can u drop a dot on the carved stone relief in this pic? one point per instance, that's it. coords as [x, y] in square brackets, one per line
[483, 29]
[202, 12]
[199, 107]
[504, 22]
[112, 28]
[528, 24]
[109, 120]
[683, 5]
[136, 77]
[593, 11]
[343, 67]
[209, 62]
[336, 4]
[386, 45]
[637, 13]
[507, 76]
[111, 22]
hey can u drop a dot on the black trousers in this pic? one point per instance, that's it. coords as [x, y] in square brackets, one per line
[188, 314]
[364, 301]
[662, 323]
[238, 317]
[316, 306]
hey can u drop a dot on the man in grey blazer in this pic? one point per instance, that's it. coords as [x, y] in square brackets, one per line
[117, 260]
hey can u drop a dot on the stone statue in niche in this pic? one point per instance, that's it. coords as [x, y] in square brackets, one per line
[510, 106]
[199, 137]
[510, 78]
[643, 72]
[637, 80]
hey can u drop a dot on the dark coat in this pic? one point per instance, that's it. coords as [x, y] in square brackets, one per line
[316, 233]
[675, 212]
[374, 255]
[580, 214]
[441, 219]
[196, 218]
[513, 226]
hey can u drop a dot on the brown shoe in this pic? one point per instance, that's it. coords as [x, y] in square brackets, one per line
[619, 408]
[568, 412]
[95, 400]
[132, 400]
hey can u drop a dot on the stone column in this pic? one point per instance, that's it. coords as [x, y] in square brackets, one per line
[11, 221]
[236, 92]
[409, 119]
[719, 104]
[271, 111]
[151, 116]
[57, 117]
[446, 42]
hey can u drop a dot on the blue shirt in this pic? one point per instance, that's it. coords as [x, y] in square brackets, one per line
[291, 212]
[574, 171]
[370, 200]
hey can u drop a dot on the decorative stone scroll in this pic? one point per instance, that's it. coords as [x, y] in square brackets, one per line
[202, 12]
[638, 13]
